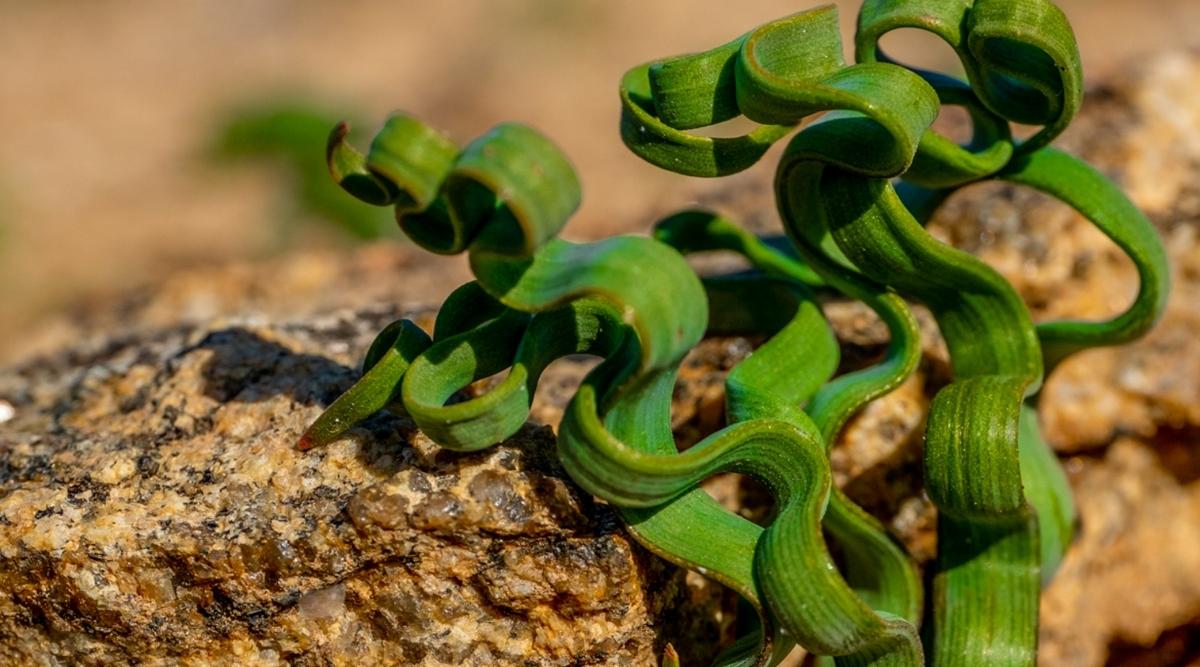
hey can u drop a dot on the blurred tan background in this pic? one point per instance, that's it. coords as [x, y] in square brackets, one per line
[110, 110]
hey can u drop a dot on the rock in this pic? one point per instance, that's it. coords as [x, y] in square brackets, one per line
[152, 509]
[1130, 575]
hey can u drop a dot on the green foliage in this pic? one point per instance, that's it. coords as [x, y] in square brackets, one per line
[854, 190]
[290, 136]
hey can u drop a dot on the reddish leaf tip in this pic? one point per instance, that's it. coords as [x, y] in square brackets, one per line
[306, 442]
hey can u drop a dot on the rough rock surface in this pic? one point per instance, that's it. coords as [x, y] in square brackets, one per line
[151, 507]
[153, 510]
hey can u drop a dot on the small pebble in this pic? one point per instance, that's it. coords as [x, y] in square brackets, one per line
[324, 602]
[7, 412]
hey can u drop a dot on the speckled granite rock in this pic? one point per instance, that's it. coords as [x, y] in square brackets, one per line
[154, 511]
[1131, 574]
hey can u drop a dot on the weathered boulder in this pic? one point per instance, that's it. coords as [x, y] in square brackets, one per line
[153, 509]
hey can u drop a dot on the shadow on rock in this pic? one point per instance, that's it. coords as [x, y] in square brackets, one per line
[245, 367]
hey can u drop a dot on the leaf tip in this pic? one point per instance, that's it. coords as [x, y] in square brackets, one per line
[670, 656]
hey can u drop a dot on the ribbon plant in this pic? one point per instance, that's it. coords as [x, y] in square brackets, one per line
[854, 189]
